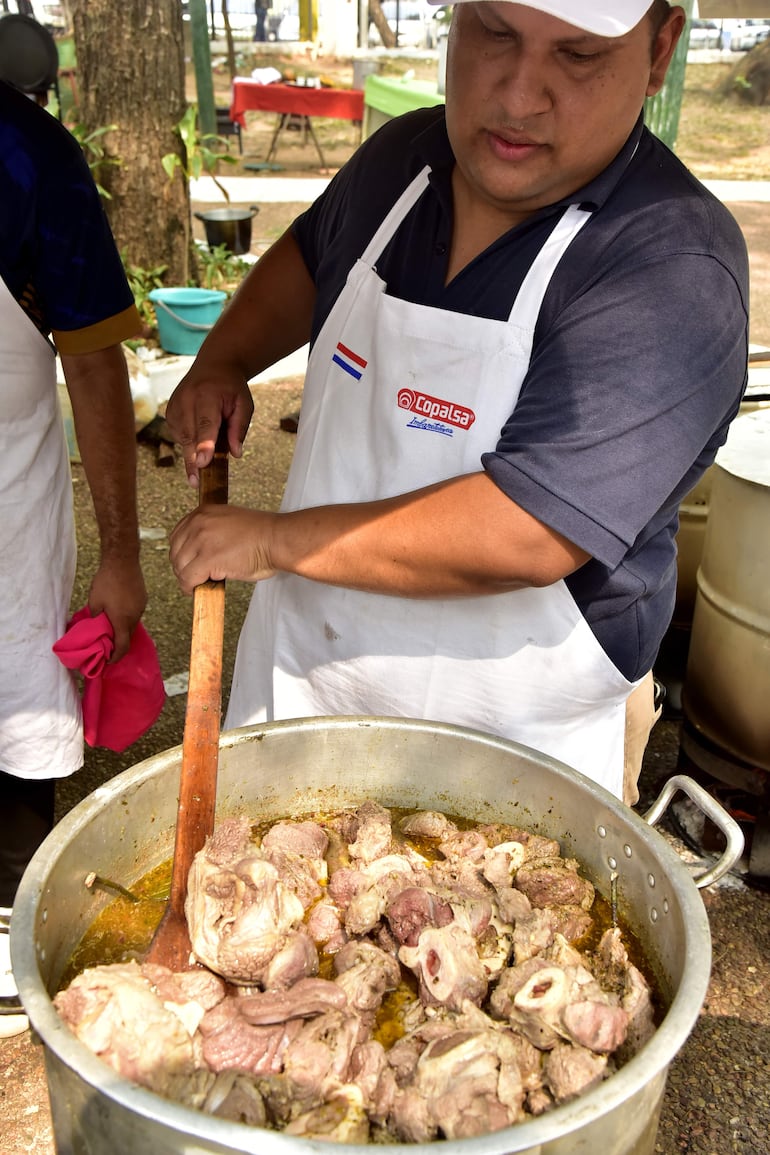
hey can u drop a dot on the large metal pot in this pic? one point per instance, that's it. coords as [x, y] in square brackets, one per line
[302, 767]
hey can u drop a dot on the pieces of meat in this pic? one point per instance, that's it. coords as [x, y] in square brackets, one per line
[456, 999]
[307, 839]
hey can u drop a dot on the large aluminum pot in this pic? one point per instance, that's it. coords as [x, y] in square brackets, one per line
[303, 767]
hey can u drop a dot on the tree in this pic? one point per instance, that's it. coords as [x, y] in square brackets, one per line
[749, 79]
[377, 17]
[131, 74]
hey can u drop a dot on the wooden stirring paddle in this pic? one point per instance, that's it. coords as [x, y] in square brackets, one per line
[170, 945]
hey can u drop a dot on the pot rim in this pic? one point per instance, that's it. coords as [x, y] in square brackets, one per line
[221, 216]
[652, 1060]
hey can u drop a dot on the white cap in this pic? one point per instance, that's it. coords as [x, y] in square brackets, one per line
[602, 17]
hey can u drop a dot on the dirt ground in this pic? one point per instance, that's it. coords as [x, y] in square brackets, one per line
[717, 1098]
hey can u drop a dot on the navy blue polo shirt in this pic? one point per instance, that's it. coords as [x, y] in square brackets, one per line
[58, 257]
[639, 356]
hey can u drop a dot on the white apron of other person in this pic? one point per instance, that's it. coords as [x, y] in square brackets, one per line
[399, 396]
[41, 732]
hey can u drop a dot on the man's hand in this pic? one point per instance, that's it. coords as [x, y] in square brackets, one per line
[216, 542]
[202, 401]
[119, 591]
[267, 319]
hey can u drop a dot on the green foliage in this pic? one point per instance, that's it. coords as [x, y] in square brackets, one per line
[199, 152]
[142, 282]
[92, 144]
[219, 268]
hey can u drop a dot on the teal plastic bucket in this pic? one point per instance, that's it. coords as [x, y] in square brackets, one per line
[185, 316]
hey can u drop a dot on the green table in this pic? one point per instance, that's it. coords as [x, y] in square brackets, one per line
[389, 96]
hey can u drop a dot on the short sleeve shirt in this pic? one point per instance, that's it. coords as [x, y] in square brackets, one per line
[639, 357]
[57, 254]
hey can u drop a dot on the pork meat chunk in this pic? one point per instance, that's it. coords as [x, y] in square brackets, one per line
[307, 997]
[554, 882]
[231, 1042]
[296, 959]
[466, 1083]
[374, 833]
[447, 965]
[568, 1003]
[239, 912]
[324, 925]
[118, 1014]
[365, 974]
[570, 1071]
[414, 909]
[427, 824]
[616, 972]
[317, 1060]
[307, 839]
[228, 1095]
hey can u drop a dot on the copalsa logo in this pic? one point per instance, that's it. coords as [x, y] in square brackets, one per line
[434, 409]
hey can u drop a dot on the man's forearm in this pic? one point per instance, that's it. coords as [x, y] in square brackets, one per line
[104, 424]
[463, 537]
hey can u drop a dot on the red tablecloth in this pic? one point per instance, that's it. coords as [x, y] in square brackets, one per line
[337, 103]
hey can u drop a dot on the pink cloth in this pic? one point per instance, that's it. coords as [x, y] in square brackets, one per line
[120, 701]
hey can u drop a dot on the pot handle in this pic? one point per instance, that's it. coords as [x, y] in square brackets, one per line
[712, 809]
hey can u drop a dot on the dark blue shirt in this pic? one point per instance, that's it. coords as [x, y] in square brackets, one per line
[57, 254]
[639, 357]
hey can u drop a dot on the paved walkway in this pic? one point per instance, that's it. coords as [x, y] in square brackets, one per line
[274, 189]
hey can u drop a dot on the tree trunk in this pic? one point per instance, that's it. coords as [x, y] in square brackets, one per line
[231, 67]
[749, 79]
[131, 74]
[377, 17]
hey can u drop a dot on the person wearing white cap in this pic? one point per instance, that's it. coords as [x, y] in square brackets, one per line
[528, 327]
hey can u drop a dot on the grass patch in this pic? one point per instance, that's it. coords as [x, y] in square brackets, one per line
[721, 137]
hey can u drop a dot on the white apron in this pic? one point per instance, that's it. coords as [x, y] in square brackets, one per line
[399, 396]
[40, 719]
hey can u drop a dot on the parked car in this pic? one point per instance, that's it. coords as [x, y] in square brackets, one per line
[705, 34]
[413, 20]
[746, 34]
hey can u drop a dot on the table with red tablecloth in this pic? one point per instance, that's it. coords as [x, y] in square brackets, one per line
[294, 101]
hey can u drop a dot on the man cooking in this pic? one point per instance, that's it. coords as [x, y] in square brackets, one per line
[528, 327]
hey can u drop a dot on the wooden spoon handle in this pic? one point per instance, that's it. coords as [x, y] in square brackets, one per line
[200, 744]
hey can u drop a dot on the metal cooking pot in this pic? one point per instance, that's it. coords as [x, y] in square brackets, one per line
[229, 227]
[312, 765]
